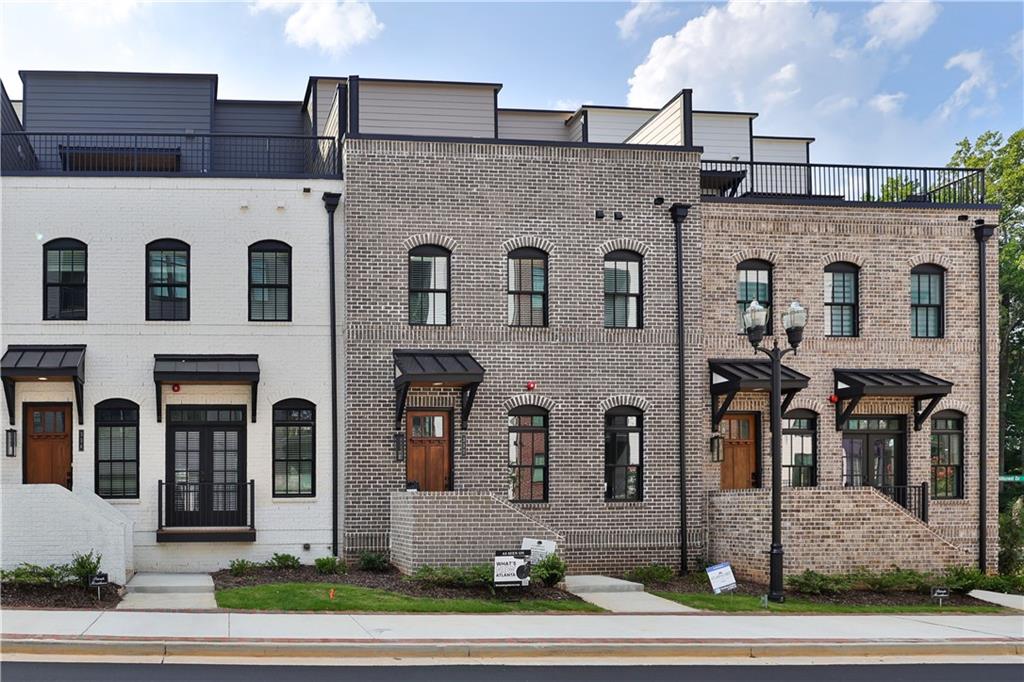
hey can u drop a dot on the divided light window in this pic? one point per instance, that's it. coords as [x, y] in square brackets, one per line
[528, 288]
[753, 281]
[926, 301]
[799, 448]
[270, 282]
[528, 454]
[294, 448]
[623, 290]
[841, 299]
[623, 454]
[167, 280]
[429, 285]
[948, 455]
[64, 280]
[117, 449]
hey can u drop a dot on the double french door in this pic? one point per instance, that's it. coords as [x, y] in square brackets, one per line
[874, 452]
[206, 466]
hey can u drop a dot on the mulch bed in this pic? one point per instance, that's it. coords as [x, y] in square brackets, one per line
[392, 581]
[67, 597]
[698, 582]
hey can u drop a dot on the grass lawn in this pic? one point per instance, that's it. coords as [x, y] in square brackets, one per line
[744, 602]
[315, 597]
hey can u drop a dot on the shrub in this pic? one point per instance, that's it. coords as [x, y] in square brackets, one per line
[85, 566]
[375, 562]
[550, 570]
[239, 567]
[894, 580]
[54, 575]
[654, 573]
[1011, 538]
[330, 565]
[283, 561]
[479, 575]
[963, 579]
[812, 582]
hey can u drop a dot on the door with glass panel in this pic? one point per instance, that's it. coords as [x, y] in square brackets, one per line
[874, 453]
[206, 466]
[428, 456]
[739, 451]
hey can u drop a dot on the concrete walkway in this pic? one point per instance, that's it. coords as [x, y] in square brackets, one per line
[169, 591]
[620, 596]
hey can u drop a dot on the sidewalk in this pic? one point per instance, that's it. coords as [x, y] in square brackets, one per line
[169, 633]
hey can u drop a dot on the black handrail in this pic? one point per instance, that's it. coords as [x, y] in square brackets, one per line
[913, 498]
[204, 505]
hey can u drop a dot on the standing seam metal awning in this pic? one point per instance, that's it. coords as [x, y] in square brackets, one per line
[206, 369]
[430, 367]
[33, 362]
[730, 376]
[853, 384]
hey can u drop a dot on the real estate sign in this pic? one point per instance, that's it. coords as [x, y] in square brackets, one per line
[721, 577]
[512, 568]
[539, 549]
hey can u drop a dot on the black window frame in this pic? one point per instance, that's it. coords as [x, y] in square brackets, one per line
[845, 268]
[928, 269]
[755, 265]
[430, 251]
[527, 253]
[169, 244]
[812, 431]
[57, 246]
[516, 469]
[940, 432]
[262, 247]
[115, 412]
[624, 256]
[611, 430]
[292, 404]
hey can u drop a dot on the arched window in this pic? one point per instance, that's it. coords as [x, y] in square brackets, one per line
[65, 280]
[624, 454]
[294, 448]
[117, 449]
[841, 299]
[528, 454]
[948, 455]
[927, 297]
[623, 290]
[800, 448]
[167, 280]
[270, 282]
[527, 288]
[753, 282]
[429, 285]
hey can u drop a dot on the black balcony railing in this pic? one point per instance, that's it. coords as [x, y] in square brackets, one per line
[191, 155]
[913, 498]
[206, 505]
[890, 184]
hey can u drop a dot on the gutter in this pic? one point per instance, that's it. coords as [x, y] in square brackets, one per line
[678, 212]
[982, 233]
[331, 200]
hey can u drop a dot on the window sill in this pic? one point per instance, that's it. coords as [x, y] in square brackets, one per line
[530, 505]
[293, 500]
[947, 500]
[127, 500]
[623, 504]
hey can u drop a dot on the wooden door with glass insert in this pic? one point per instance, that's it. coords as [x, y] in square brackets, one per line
[48, 444]
[428, 449]
[739, 451]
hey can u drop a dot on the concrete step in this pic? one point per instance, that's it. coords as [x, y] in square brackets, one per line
[177, 583]
[634, 602]
[168, 600]
[583, 584]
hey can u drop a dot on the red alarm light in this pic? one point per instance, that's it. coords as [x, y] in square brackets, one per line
[833, 399]
[530, 385]
[175, 387]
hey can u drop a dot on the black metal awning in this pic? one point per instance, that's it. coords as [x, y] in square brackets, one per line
[730, 376]
[436, 368]
[854, 384]
[21, 363]
[206, 369]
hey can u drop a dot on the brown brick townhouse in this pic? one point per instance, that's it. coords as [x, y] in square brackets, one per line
[534, 331]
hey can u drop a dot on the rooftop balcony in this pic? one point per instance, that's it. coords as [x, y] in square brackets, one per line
[184, 155]
[840, 182]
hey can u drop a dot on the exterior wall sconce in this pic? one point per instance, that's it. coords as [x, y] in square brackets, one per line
[399, 446]
[715, 447]
[11, 443]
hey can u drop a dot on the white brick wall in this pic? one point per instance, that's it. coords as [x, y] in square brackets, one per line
[116, 218]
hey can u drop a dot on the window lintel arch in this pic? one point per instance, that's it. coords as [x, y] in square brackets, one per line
[169, 243]
[624, 254]
[624, 411]
[842, 266]
[528, 411]
[754, 264]
[430, 250]
[294, 403]
[65, 243]
[949, 414]
[928, 269]
[116, 403]
[270, 245]
[800, 413]
[527, 252]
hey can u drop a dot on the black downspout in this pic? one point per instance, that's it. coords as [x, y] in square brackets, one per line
[982, 233]
[678, 213]
[331, 200]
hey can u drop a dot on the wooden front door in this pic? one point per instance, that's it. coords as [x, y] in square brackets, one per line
[48, 444]
[428, 449]
[739, 451]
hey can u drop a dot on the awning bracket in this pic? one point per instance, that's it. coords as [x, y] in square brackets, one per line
[401, 393]
[921, 416]
[718, 411]
[467, 395]
[844, 413]
[9, 397]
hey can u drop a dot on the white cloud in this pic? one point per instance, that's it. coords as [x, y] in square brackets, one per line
[887, 102]
[979, 79]
[333, 26]
[92, 13]
[895, 24]
[834, 104]
[640, 13]
[1016, 48]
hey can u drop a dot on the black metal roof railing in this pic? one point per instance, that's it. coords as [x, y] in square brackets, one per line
[186, 155]
[889, 184]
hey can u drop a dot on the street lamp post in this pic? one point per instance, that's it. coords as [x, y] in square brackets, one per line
[755, 321]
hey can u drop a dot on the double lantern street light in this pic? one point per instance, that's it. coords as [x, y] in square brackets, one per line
[794, 319]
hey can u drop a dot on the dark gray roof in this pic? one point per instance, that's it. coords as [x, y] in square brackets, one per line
[44, 361]
[898, 382]
[750, 375]
[210, 368]
[430, 366]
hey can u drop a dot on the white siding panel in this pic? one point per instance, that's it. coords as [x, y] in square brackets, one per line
[426, 109]
[723, 136]
[576, 129]
[666, 127]
[615, 125]
[533, 125]
[325, 91]
[788, 151]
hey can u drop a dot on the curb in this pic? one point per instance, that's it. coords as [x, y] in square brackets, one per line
[448, 649]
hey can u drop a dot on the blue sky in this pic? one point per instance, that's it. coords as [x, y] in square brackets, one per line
[881, 83]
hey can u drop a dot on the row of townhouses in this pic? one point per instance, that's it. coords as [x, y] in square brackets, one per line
[394, 316]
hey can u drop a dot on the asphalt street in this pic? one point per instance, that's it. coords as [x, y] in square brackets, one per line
[125, 672]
